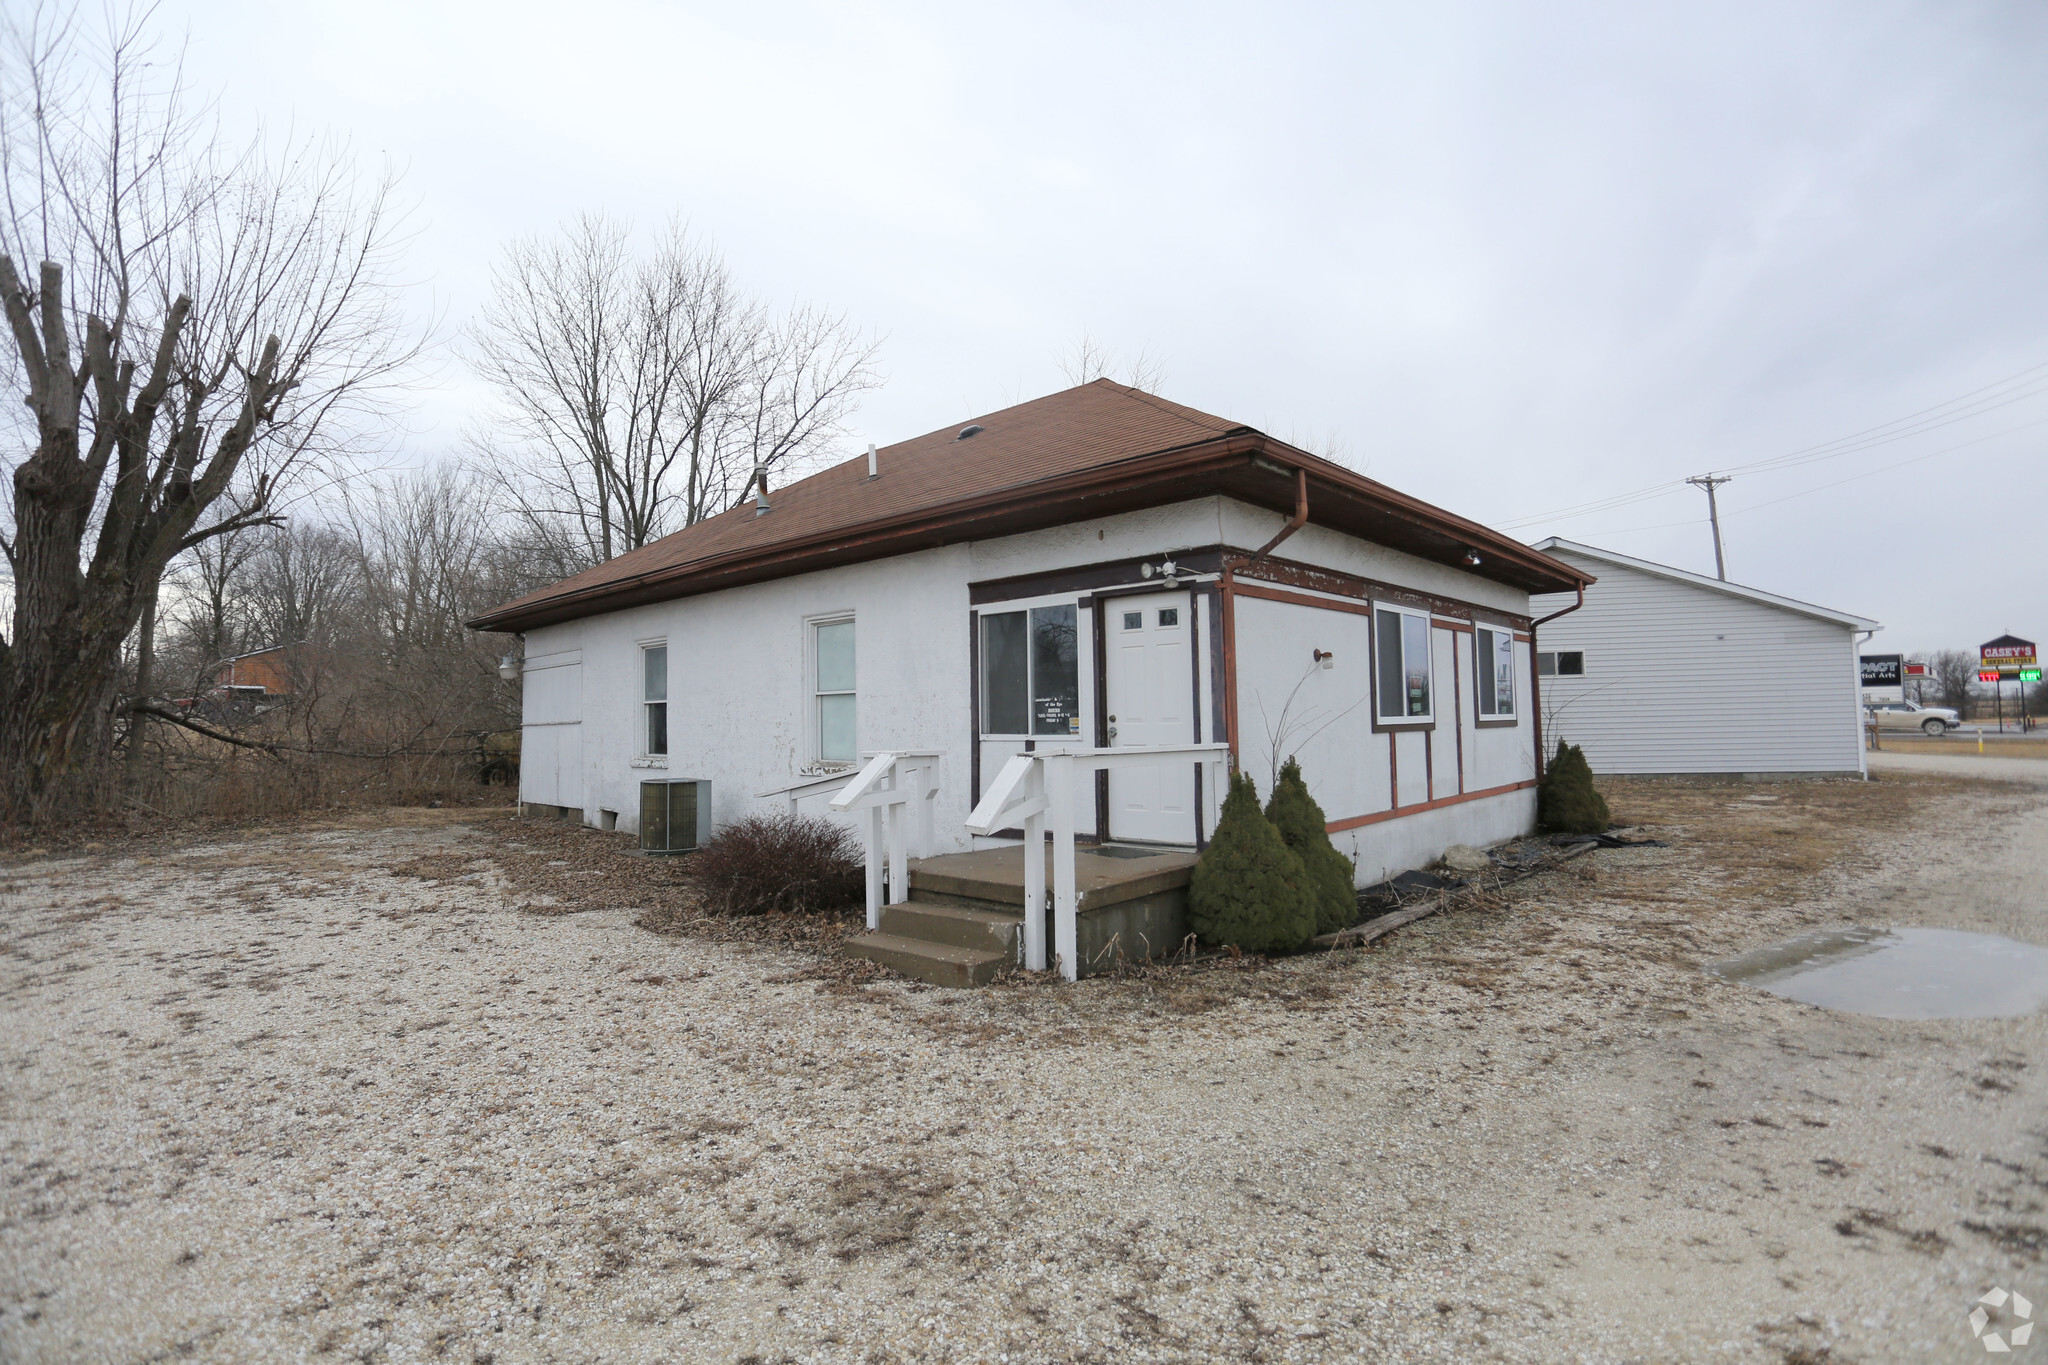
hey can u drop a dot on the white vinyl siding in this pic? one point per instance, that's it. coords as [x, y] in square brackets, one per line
[1681, 678]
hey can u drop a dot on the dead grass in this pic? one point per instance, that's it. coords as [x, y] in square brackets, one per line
[1965, 745]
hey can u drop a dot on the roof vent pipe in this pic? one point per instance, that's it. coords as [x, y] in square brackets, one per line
[871, 459]
[760, 476]
[967, 431]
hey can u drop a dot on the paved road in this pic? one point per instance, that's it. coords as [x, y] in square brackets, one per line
[1963, 765]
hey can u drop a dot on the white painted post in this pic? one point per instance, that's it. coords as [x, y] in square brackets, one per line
[899, 860]
[1059, 797]
[1034, 877]
[922, 794]
[874, 867]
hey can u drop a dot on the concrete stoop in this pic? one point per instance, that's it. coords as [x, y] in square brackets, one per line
[946, 940]
[964, 918]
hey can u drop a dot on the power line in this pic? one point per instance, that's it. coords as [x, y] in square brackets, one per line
[1710, 483]
[2031, 382]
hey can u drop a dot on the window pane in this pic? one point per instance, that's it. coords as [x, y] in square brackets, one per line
[835, 657]
[657, 727]
[1483, 644]
[1571, 664]
[655, 663]
[1169, 616]
[1504, 673]
[1389, 643]
[1055, 672]
[835, 728]
[1546, 664]
[1415, 655]
[1005, 681]
[1134, 620]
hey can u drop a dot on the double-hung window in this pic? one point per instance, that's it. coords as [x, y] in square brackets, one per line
[832, 690]
[1030, 673]
[654, 696]
[1402, 677]
[1494, 653]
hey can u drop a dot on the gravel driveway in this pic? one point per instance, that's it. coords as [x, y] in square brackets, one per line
[382, 1090]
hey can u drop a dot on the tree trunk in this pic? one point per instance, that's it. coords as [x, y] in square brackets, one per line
[62, 667]
[145, 687]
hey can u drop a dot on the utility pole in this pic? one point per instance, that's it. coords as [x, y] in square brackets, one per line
[1710, 482]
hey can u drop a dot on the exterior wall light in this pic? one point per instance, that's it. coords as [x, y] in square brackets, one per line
[508, 668]
[1471, 559]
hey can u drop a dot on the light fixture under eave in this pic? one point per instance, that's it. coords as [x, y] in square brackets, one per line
[1471, 559]
[508, 668]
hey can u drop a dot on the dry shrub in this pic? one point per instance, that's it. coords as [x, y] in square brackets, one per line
[786, 863]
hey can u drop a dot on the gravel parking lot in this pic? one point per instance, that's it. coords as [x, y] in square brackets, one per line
[414, 1085]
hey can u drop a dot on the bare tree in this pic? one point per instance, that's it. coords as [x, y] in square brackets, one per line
[1088, 360]
[202, 328]
[637, 397]
[1952, 671]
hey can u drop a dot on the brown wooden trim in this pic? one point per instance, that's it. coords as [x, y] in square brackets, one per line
[1339, 826]
[1212, 593]
[1096, 607]
[1295, 574]
[1458, 704]
[1395, 727]
[974, 708]
[1522, 639]
[1299, 599]
[1463, 626]
[1227, 591]
[1117, 575]
[1429, 766]
[1394, 772]
[1497, 724]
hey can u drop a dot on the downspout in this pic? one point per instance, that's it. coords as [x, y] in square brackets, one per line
[1536, 676]
[1856, 671]
[1294, 523]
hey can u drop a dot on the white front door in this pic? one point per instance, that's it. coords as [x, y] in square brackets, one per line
[1151, 701]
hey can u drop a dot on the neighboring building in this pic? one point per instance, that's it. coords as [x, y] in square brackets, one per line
[1082, 570]
[1664, 671]
[262, 672]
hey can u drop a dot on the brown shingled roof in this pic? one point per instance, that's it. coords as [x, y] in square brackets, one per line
[1083, 452]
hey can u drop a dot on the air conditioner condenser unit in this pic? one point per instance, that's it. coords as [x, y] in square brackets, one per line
[675, 816]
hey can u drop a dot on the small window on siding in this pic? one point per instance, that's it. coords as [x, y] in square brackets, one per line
[1405, 687]
[1570, 663]
[1494, 653]
[833, 695]
[654, 696]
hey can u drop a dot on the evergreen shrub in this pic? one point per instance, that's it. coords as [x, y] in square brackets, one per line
[1568, 803]
[1249, 890]
[1302, 824]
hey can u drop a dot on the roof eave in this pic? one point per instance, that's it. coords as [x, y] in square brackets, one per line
[1011, 510]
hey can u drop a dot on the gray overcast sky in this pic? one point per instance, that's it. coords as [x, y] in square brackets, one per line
[1509, 258]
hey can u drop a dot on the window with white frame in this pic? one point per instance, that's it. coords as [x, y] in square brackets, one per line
[1406, 691]
[1567, 663]
[832, 690]
[1030, 672]
[654, 696]
[1494, 655]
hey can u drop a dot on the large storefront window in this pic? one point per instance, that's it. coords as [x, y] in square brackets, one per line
[1030, 673]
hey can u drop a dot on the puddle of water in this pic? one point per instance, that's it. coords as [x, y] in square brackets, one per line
[1900, 973]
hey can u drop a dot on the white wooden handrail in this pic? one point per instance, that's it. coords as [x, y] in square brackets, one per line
[889, 781]
[1038, 787]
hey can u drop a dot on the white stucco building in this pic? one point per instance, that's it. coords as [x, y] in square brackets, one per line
[1098, 569]
[1664, 671]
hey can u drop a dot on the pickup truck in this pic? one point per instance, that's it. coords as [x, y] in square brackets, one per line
[1911, 715]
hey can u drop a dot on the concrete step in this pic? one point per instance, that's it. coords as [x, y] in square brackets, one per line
[1013, 906]
[938, 963]
[964, 885]
[955, 926]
